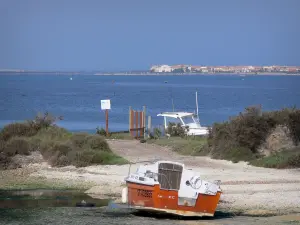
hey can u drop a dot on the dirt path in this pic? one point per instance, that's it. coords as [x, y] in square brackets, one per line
[245, 188]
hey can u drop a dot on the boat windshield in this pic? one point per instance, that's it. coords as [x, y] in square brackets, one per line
[188, 120]
[173, 120]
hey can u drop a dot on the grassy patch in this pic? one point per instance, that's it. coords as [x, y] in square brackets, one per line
[234, 154]
[184, 146]
[57, 145]
[284, 159]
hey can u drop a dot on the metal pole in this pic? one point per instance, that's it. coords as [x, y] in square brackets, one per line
[106, 118]
[149, 125]
[197, 105]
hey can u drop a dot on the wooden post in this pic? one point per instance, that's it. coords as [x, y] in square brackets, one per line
[136, 123]
[149, 126]
[106, 119]
[141, 133]
[132, 123]
[129, 119]
[144, 120]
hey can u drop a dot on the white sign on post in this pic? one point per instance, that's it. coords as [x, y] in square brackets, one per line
[105, 104]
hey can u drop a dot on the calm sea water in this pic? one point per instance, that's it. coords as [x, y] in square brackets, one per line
[78, 100]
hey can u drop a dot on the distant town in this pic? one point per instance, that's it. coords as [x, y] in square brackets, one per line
[176, 70]
[225, 69]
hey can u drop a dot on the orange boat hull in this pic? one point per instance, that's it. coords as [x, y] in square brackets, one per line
[152, 198]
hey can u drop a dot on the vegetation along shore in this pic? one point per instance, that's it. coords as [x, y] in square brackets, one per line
[39, 154]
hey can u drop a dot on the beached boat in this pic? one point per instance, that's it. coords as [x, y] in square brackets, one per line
[168, 187]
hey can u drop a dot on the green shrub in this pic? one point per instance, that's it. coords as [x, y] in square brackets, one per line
[62, 148]
[54, 133]
[28, 128]
[53, 150]
[17, 145]
[284, 159]
[101, 131]
[59, 160]
[176, 130]
[97, 143]
[90, 157]
[157, 133]
[5, 161]
[17, 130]
[62, 161]
[44, 120]
[234, 138]
[34, 143]
[79, 139]
[294, 126]
[250, 129]
[58, 146]
[2, 144]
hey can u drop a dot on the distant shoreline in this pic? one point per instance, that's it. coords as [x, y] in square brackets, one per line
[145, 74]
[196, 74]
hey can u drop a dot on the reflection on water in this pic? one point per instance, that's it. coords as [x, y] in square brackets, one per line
[45, 198]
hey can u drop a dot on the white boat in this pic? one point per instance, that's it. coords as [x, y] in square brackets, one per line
[168, 187]
[186, 119]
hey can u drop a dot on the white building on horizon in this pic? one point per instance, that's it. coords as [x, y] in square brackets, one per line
[161, 68]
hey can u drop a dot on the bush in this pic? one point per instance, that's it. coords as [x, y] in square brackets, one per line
[174, 129]
[58, 146]
[54, 133]
[101, 131]
[16, 146]
[294, 126]
[279, 160]
[250, 129]
[5, 161]
[53, 150]
[90, 157]
[44, 120]
[79, 139]
[29, 128]
[2, 144]
[17, 130]
[294, 161]
[241, 136]
[157, 133]
[97, 143]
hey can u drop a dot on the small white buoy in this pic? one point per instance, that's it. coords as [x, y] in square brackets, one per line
[124, 195]
[71, 78]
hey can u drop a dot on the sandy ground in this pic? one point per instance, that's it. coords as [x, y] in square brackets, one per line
[247, 189]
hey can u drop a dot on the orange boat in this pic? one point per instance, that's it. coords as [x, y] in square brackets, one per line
[168, 187]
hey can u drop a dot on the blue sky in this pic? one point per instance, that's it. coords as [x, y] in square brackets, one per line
[134, 34]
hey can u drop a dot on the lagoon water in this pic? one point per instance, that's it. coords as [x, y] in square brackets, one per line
[78, 100]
